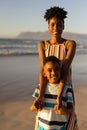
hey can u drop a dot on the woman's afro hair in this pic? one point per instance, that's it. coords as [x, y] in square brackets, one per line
[55, 12]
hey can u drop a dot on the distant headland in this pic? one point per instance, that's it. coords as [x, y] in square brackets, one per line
[45, 35]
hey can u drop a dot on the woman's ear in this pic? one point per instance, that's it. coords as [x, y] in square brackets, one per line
[63, 26]
[48, 26]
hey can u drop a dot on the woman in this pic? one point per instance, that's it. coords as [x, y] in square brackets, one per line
[63, 49]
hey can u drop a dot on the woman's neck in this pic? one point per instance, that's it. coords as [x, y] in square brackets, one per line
[56, 41]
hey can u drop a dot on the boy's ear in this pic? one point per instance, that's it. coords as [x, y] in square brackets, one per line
[44, 74]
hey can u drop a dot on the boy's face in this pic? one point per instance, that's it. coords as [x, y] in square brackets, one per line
[52, 71]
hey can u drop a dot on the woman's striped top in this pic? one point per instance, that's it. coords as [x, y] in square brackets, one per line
[55, 50]
[60, 51]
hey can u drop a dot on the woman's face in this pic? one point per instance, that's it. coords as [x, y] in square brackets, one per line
[55, 27]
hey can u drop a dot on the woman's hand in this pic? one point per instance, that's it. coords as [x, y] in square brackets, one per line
[58, 103]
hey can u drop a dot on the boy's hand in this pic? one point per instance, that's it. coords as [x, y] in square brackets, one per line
[39, 103]
[58, 108]
[61, 111]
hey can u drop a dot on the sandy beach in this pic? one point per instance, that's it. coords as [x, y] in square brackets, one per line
[18, 79]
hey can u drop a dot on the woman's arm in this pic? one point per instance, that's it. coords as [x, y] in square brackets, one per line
[41, 53]
[39, 103]
[71, 48]
[43, 80]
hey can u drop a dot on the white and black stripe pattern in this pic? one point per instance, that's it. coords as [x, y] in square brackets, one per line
[47, 118]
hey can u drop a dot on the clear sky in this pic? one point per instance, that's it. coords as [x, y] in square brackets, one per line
[28, 15]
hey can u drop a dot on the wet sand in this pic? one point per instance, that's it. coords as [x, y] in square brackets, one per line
[19, 76]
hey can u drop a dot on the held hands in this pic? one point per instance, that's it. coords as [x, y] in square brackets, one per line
[58, 108]
[58, 105]
[58, 102]
[37, 105]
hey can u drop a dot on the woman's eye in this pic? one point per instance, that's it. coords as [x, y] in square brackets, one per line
[57, 25]
[52, 25]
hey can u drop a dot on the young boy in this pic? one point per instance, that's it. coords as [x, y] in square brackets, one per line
[51, 118]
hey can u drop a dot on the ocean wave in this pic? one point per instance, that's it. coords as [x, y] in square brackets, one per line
[33, 51]
[81, 51]
[18, 47]
[17, 52]
[27, 47]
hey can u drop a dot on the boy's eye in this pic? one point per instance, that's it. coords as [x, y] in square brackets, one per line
[49, 70]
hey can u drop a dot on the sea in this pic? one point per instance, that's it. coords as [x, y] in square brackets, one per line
[18, 47]
[19, 67]
[29, 46]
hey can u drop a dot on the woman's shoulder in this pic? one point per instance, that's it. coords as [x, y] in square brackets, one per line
[43, 44]
[70, 43]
